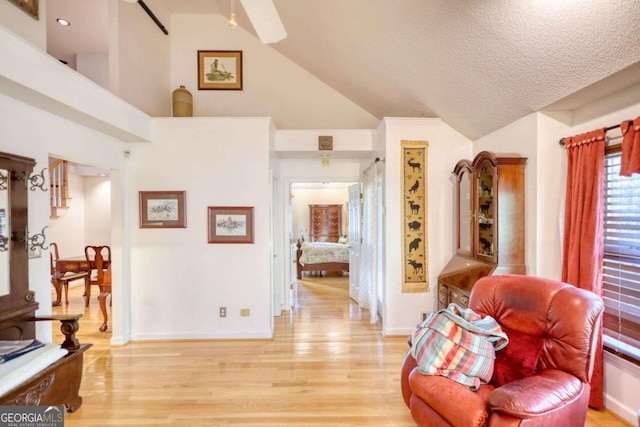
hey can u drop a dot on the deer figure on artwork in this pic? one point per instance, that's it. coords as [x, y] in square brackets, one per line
[414, 165]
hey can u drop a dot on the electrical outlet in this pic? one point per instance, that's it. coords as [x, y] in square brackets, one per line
[223, 311]
[244, 312]
[423, 316]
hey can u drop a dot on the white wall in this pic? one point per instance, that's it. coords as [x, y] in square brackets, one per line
[68, 230]
[140, 57]
[94, 66]
[180, 279]
[273, 86]
[97, 210]
[446, 147]
[87, 219]
[548, 219]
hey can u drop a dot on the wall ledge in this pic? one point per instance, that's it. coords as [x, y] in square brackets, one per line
[31, 76]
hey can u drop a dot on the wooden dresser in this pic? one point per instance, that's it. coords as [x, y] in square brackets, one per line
[325, 223]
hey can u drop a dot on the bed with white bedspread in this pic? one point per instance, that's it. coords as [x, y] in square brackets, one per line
[322, 256]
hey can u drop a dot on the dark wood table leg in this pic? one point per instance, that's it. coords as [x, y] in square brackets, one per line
[87, 293]
[103, 307]
[87, 286]
[58, 287]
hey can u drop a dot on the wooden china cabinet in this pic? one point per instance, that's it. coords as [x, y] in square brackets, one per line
[489, 224]
[325, 223]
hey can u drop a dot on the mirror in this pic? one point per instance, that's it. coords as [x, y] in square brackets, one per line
[4, 232]
[464, 214]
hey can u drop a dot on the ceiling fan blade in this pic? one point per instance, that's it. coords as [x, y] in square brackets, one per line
[265, 20]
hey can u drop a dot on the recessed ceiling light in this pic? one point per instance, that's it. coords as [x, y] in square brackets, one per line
[63, 22]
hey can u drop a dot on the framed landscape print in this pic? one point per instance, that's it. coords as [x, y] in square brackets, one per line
[163, 209]
[230, 224]
[219, 70]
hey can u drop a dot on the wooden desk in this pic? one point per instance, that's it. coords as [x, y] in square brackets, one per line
[68, 265]
[77, 264]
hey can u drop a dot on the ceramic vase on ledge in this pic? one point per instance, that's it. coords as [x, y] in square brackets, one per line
[182, 102]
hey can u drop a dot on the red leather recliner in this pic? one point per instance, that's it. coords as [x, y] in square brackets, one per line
[541, 379]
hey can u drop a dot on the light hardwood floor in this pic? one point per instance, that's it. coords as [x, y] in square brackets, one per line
[326, 366]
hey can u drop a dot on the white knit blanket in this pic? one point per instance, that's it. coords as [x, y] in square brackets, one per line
[322, 252]
[15, 372]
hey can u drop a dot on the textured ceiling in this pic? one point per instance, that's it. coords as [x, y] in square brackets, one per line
[478, 65]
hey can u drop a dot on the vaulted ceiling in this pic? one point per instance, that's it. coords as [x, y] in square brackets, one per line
[478, 65]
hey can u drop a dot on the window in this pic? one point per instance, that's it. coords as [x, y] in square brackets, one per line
[621, 265]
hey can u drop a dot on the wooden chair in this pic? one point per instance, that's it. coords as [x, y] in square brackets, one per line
[60, 280]
[99, 260]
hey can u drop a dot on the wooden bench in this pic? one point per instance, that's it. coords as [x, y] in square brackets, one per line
[58, 383]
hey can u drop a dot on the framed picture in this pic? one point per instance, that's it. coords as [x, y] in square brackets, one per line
[230, 224]
[29, 6]
[219, 70]
[163, 209]
[325, 143]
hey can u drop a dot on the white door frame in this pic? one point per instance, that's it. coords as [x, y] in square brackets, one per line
[289, 236]
[355, 239]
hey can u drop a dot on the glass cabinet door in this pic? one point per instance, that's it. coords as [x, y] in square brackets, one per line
[486, 230]
[464, 226]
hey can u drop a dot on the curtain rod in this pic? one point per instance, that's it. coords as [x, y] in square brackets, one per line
[153, 16]
[607, 129]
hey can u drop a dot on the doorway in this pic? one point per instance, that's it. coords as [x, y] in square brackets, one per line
[80, 215]
[301, 196]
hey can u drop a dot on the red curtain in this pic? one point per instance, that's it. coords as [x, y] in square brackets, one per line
[584, 229]
[630, 147]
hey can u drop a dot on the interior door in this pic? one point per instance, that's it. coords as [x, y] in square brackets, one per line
[292, 249]
[355, 239]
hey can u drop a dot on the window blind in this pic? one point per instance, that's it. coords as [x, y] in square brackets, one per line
[621, 264]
